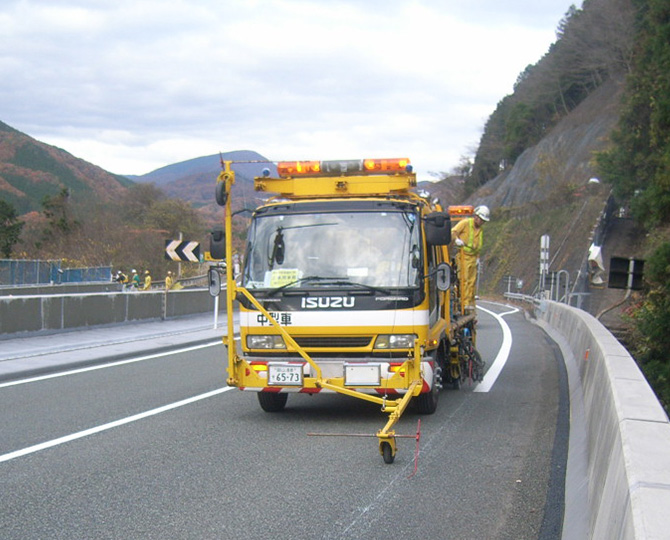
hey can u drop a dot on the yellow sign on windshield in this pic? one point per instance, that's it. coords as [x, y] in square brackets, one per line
[279, 278]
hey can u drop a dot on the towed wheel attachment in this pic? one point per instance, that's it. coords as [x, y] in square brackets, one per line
[387, 448]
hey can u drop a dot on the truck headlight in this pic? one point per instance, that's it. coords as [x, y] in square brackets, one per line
[395, 341]
[265, 342]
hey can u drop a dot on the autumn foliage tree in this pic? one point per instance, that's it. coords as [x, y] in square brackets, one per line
[127, 233]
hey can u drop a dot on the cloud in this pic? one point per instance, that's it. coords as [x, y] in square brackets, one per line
[133, 85]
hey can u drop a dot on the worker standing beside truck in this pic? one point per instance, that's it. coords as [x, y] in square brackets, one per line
[468, 237]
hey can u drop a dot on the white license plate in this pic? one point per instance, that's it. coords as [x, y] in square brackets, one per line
[362, 374]
[284, 375]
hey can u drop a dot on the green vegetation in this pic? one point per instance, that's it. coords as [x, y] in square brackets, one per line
[10, 228]
[638, 167]
[35, 158]
[651, 338]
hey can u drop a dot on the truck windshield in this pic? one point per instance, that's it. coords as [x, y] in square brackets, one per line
[379, 249]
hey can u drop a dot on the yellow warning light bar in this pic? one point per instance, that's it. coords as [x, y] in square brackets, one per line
[298, 168]
[288, 169]
[461, 210]
[386, 165]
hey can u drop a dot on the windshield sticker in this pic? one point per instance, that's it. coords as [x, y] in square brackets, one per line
[284, 276]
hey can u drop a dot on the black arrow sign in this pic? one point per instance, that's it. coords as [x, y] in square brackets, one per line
[182, 251]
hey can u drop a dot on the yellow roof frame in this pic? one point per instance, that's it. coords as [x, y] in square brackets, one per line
[337, 186]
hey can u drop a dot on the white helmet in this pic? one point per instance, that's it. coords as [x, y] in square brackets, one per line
[483, 212]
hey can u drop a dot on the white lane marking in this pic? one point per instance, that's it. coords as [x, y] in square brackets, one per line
[503, 353]
[110, 425]
[108, 365]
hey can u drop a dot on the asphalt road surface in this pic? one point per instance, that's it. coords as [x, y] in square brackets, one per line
[161, 448]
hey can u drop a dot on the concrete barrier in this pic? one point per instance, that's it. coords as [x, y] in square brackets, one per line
[619, 487]
[52, 312]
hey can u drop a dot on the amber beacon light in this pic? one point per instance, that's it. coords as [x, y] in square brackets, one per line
[288, 169]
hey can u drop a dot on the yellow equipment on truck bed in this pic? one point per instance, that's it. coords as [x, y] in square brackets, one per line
[346, 288]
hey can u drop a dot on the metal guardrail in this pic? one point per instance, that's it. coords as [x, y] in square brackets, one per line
[523, 297]
[536, 299]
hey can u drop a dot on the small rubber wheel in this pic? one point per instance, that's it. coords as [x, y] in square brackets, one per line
[387, 453]
[271, 401]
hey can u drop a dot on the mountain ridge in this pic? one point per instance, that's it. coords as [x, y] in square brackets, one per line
[244, 161]
[31, 170]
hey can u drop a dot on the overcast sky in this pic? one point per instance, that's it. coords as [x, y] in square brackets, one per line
[133, 85]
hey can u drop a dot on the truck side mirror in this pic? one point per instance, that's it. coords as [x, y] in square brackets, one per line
[443, 277]
[214, 282]
[438, 229]
[217, 243]
[220, 194]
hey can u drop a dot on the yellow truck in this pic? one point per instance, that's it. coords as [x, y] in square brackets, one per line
[345, 287]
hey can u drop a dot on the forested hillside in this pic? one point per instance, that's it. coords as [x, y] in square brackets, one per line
[31, 170]
[536, 154]
[594, 44]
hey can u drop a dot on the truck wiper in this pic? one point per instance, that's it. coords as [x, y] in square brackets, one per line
[342, 282]
[348, 283]
[305, 279]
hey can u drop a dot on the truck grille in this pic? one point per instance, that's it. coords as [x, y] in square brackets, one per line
[333, 342]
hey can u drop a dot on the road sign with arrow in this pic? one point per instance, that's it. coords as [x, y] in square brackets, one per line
[176, 250]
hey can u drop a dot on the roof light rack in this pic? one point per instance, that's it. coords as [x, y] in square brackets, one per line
[340, 178]
[289, 169]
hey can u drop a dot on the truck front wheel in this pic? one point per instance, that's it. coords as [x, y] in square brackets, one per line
[272, 401]
[426, 403]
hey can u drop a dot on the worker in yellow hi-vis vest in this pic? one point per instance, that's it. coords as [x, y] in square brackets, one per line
[468, 236]
[147, 281]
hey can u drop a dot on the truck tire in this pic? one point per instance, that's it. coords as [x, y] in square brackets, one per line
[272, 401]
[426, 403]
